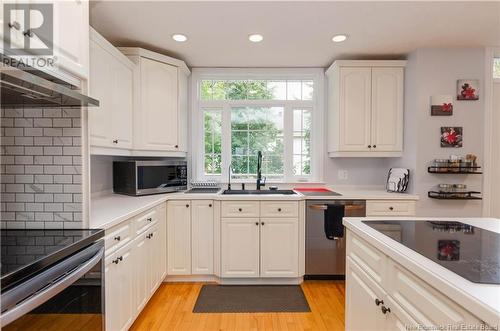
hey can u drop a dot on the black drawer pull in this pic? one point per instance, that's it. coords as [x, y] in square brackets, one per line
[378, 302]
[385, 310]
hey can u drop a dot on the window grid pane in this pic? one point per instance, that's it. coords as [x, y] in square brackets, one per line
[301, 142]
[256, 129]
[496, 68]
[212, 142]
[256, 90]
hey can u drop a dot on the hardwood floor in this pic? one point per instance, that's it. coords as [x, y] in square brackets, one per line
[171, 309]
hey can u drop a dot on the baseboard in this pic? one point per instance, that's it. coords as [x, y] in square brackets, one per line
[233, 281]
[324, 277]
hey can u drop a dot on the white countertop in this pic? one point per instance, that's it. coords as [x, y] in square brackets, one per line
[109, 209]
[482, 300]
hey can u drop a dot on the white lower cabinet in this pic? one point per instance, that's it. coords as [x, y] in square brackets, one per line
[202, 237]
[119, 292]
[240, 247]
[179, 237]
[265, 246]
[279, 247]
[134, 268]
[393, 298]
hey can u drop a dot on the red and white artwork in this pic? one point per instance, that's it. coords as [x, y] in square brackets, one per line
[441, 105]
[468, 89]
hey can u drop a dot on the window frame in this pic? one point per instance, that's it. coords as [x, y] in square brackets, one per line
[316, 105]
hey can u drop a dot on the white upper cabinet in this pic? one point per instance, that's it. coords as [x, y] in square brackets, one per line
[387, 109]
[111, 82]
[160, 104]
[70, 37]
[365, 108]
[157, 115]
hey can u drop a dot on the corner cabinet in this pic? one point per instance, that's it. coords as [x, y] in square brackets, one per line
[365, 108]
[160, 104]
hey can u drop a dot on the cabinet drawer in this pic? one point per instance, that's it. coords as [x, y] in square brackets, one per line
[390, 208]
[240, 209]
[279, 209]
[370, 259]
[145, 220]
[425, 304]
[117, 237]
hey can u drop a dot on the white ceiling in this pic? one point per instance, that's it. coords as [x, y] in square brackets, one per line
[296, 34]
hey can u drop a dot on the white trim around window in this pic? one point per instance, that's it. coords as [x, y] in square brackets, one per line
[316, 106]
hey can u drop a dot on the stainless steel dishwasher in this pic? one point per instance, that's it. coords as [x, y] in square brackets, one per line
[325, 258]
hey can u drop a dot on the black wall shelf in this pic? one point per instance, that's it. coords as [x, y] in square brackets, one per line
[455, 170]
[469, 195]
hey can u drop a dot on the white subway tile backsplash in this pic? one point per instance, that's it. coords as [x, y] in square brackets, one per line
[40, 168]
[43, 159]
[42, 123]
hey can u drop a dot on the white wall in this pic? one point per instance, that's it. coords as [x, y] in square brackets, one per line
[430, 72]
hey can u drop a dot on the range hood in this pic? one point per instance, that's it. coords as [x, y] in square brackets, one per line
[28, 87]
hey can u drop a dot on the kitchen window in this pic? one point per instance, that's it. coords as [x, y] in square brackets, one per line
[238, 112]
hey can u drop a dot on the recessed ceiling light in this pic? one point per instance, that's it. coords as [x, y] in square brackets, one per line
[179, 37]
[255, 38]
[339, 38]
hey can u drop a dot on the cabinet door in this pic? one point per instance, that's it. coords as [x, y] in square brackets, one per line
[100, 88]
[202, 237]
[387, 109]
[159, 112]
[112, 294]
[240, 247]
[124, 279]
[141, 272]
[71, 36]
[122, 104]
[355, 109]
[154, 259]
[161, 216]
[179, 237]
[119, 289]
[361, 312]
[279, 247]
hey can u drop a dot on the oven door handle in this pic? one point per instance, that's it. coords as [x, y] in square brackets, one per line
[319, 207]
[46, 294]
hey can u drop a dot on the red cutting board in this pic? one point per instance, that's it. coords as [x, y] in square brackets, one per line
[311, 189]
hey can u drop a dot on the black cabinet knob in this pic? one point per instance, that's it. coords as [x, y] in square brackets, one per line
[374, 146]
[118, 238]
[391, 208]
[115, 141]
[15, 25]
[369, 146]
[187, 206]
[279, 209]
[210, 205]
[150, 219]
[176, 146]
[256, 223]
[239, 209]
[378, 302]
[262, 223]
[385, 310]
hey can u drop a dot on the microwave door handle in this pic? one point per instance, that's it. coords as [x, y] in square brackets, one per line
[48, 293]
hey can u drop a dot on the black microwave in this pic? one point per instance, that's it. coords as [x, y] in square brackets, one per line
[144, 177]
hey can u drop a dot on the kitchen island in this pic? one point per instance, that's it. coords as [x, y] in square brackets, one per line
[422, 274]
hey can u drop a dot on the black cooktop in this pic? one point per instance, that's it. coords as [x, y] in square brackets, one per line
[469, 251]
[25, 252]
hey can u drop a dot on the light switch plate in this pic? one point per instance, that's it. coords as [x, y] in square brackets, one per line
[343, 174]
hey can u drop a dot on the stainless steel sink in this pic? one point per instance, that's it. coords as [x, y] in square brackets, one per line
[260, 192]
